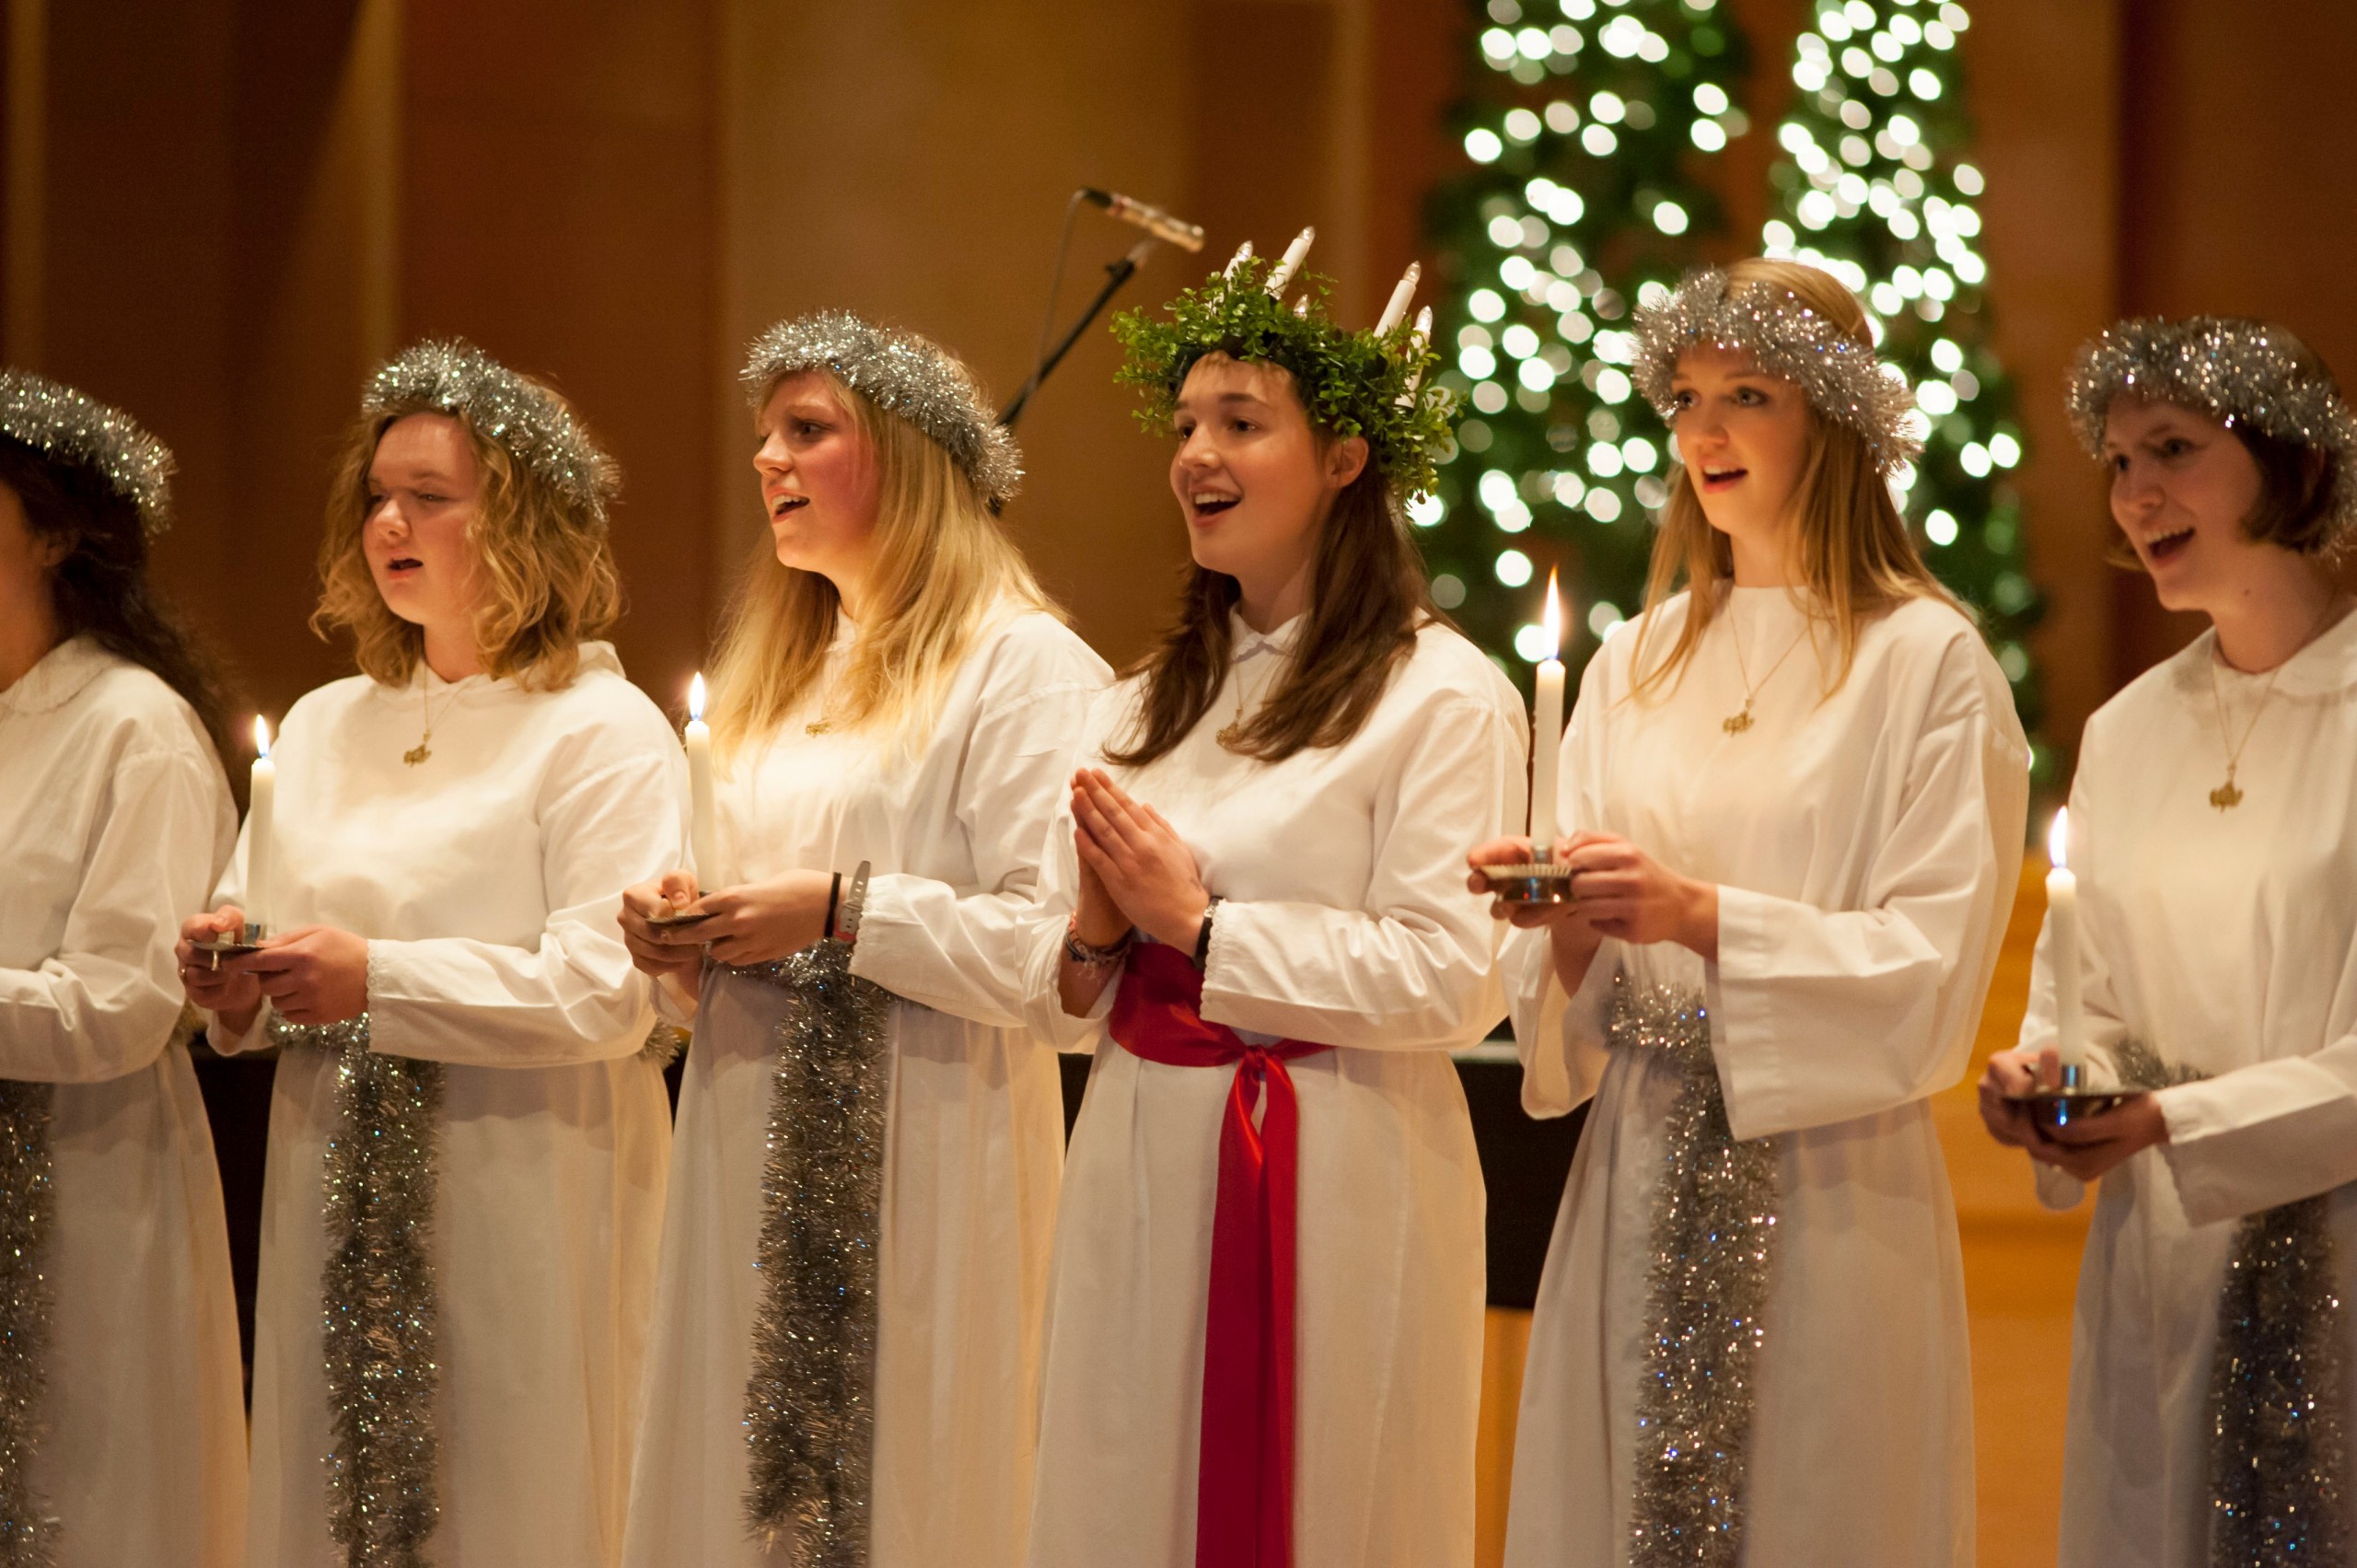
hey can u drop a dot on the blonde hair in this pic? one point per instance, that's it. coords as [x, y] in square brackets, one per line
[1850, 547]
[942, 566]
[547, 567]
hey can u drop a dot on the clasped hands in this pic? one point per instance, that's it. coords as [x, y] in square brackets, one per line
[313, 974]
[1135, 871]
[2087, 1148]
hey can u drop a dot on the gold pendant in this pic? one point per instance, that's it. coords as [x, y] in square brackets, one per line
[416, 754]
[1229, 736]
[1740, 723]
[820, 726]
[2225, 797]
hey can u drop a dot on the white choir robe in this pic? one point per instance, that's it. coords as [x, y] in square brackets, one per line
[1865, 846]
[955, 829]
[2226, 941]
[114, 819]
[488, 882]
[1346, 921]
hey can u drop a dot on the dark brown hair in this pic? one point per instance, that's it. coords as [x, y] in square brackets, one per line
[1368, 599]
[100, 589]
[2295, 485]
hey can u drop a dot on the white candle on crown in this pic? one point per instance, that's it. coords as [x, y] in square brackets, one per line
[2062, 949]
[262, 810]
[1547, 729]
[702, 830]
[1404, 290]
[1243, 254]
[1283, 276]
[1423, 341]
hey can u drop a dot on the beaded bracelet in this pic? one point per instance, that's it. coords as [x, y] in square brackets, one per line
[1089, 955]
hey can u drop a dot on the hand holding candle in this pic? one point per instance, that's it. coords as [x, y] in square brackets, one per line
[1546, 730]
[260, 812]
[2062, 946]
[702, 834]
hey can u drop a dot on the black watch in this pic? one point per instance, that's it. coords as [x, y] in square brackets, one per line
[1203, 933]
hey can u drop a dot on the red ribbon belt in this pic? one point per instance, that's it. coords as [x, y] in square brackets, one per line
[1244, 1479]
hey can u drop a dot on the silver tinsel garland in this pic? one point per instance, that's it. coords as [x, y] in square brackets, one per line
[66, 427]
[453, 377]
[902, 374]
[1706, 1295]
[810, 1404]
[379, 1301]
[2231, 370]
[1841, 376]
[28, 1530]
[2279, 1457]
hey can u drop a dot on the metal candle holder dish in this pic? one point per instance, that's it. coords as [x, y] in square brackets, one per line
[2071, 1100]
[248, 940]
[1534, 882]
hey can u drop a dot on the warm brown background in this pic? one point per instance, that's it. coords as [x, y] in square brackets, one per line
[221, 213]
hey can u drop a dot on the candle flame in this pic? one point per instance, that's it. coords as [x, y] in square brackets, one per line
[1552, 621]
[261, 736]
[695, 697]
[2058, 840]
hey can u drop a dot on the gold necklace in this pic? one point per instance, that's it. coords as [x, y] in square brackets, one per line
[425, 747]
[2228, 796]
[1233, 732]
[1737, 724]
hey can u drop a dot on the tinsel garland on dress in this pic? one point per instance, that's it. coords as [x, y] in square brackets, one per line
[2279, 1457]
[27, 1203]
[810, 1402]
[1713, 1236]
[378, 1300]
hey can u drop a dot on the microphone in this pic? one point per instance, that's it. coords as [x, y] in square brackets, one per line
[1154, 220]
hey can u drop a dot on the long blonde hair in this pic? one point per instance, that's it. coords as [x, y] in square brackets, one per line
[943, 567]
[547, 566]
[1852, 550]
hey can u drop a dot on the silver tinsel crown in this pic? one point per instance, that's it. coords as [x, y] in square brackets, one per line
[2236, 371]
[451, 376]
[901, 373]
[1838, 375]
[66, 426]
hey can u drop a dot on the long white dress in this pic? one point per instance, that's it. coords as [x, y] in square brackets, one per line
[487, 880]
[2226, 943]
[1865, 845]
[954, 831]
[114, 819]
[1345, 923]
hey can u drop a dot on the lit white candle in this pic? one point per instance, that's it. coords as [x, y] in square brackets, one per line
[1404, 290]
[1547, 729]
[262, 810]
[1283, 276]
[702, 840]
[2062, 949]
[1243, 254]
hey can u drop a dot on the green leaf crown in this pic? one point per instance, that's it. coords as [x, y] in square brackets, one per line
[1352, 383]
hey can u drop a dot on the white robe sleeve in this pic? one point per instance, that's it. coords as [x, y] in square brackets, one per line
[1560, 1038]
[970, 953]
[106, 1002]
[1819, 1016]
[571, 998]
[2272, 1132]
[1414, 969]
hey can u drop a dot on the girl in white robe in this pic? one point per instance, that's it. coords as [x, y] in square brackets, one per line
[945, 791]
[114, 819]
[1291, 1373]
[1794, 817]
[452, 833]
[2212, 832]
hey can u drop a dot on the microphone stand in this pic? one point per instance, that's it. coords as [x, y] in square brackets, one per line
[1116, 275]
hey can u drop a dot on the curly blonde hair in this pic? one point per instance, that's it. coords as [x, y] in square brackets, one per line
[547, 566]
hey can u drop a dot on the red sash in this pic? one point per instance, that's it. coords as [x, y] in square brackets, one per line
[1244, 1480]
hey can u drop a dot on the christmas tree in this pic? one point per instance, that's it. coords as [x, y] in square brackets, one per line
[1587, 127]
[1875, 186]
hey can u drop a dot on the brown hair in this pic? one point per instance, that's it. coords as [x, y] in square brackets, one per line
[943, 564]
[547, 566]
[1368, 599]
[1852, 548]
